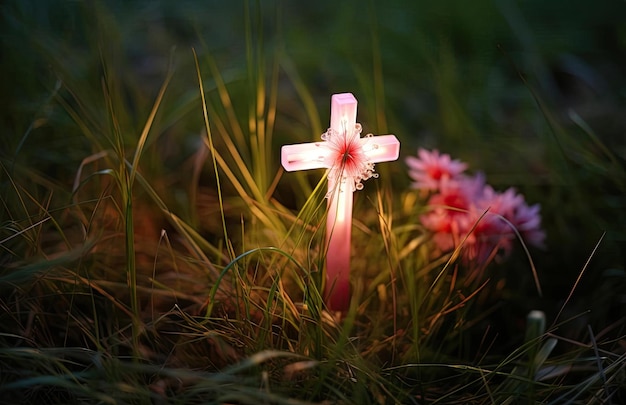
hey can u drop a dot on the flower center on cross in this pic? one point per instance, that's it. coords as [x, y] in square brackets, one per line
[350, 161]
[348, 157]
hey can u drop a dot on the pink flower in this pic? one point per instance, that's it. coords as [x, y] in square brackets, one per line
[431, 168]
[454, 196]
[527, 221]
[464, 209]
[493, 232]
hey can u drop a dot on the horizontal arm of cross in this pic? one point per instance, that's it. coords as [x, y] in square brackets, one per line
[314, 155]
[381, 148]
[304, 156]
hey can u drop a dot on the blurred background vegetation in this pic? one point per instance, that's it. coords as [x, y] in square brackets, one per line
[530, 92]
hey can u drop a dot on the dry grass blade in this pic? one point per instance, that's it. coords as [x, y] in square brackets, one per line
[580, 275]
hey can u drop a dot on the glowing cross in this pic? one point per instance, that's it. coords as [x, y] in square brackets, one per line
[350, 160]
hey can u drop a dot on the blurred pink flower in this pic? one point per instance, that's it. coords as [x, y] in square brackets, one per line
[527, 221]
[431, 168]
[464, 209]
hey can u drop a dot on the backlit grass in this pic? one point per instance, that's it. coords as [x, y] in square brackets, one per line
[153, 249]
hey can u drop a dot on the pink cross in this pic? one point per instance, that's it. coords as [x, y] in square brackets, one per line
[350, 160]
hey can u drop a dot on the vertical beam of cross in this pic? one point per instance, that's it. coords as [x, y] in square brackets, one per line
[350, 160]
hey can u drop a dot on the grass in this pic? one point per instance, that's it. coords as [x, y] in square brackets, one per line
[154, 251]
